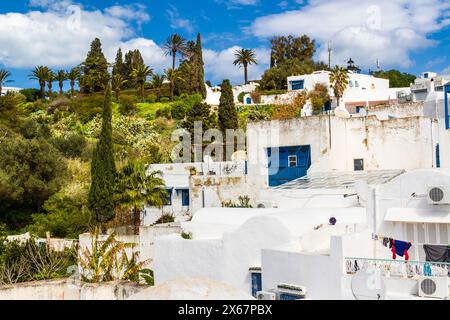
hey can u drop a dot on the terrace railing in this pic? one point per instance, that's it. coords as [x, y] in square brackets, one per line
[398, 268]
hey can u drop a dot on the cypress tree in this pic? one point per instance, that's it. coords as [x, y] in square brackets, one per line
[118, 65]
[103, 169]
[228, 118]
[199, 68]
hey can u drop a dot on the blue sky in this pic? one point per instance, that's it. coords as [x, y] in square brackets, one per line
[412, 36]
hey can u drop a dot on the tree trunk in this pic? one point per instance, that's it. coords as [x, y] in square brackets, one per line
[142, 92]
[42, 90]
[171, 90]
[174, 57]
[1, 90]
[246, 73]
[60, 90]
[72, 89]
[117, 95]
[136, 220]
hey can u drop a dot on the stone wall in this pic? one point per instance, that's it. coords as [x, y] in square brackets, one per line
[69, 289]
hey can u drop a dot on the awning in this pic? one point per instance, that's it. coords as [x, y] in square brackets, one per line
[417, 215]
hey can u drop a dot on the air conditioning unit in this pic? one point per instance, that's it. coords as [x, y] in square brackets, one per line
[434, 287]
[439, 195]
[265, 204]
[265, 295]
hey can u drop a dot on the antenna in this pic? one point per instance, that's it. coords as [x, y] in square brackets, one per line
[378, 65]
[330, 51]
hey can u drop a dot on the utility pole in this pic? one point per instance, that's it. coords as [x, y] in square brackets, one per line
[330, 52]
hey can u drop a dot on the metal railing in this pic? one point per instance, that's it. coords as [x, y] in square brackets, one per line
[398, 268]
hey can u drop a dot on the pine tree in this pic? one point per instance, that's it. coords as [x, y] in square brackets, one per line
[228, 118]
[96, 66]
[103, 169]
[118, 68]
[199, 68]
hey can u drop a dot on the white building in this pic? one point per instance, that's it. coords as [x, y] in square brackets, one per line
[428, 83]
[182, 196]
[213, 94]
[363, 90]
[261, 249]
[5, 90]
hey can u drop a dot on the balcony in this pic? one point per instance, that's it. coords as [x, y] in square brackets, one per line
[398, 268]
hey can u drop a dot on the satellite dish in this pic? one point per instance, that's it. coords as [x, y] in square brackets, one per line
[341, 112]
[368, 284]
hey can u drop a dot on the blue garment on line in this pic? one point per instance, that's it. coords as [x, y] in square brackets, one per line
[401, 247]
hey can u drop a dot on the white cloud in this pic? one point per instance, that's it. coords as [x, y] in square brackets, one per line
[219, 65]
[388, 31]
[60, 38]
[176, 22]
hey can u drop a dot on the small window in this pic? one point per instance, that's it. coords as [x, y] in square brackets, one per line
[185, 198]
[168, 199]
[298, 84]
[356, 84]
[359, 164]
[351, 84]
[292, 161]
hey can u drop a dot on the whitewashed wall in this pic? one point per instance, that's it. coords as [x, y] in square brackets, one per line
[405, 143]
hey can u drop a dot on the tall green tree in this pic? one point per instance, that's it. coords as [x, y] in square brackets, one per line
[173, 76]
[396, 78]
[227, 114]
[199, 70]
[174, 44]
[158, 84]
[290, 47]
[61, 76]
[117, 83]
[140, 75]
[135, 189]
[199, 112]
[133, 59]
[244, 58]
[118, 67]
[4, 78]
[339, 82]
[103, 169]
[73, 75]
[96, 66]
[51, 77]
[40, 74]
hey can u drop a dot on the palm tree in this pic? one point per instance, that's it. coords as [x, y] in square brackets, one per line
[73, 76]
[244, 58]
[339, 81]
[136, 189]
[4, 75]
[173, 76]
[117, 83]
[40, 73]
[140, 74]
[61, 76]
[174, 44]
[158, 83]
[51, 76]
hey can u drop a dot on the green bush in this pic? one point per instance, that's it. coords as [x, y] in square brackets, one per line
[164, 100]
[71, 145]
[241, 96]
[31, 94]
[151, 98]
[127, 104]
[164, 112]
[87, 107]
[178, 110]
[165, 218]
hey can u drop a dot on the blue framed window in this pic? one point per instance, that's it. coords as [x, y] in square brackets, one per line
[256, 282]
[447, 111]
[185, 198]
[249, 100]
[287, 296]
[298, 84]
[438, 156]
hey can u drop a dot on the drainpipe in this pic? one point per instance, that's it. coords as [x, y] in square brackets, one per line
[374, 221]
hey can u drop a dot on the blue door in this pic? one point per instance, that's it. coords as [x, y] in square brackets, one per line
[249, 100]
[288, 163]
[256, 283]
[185, 198]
